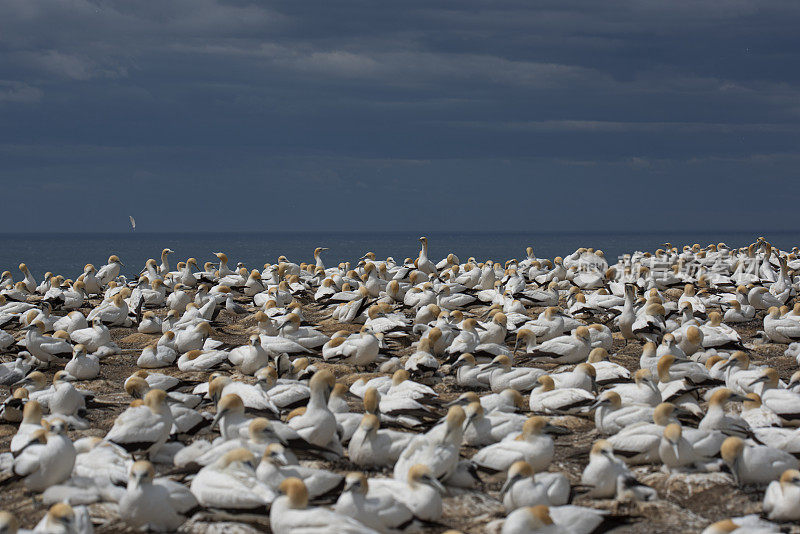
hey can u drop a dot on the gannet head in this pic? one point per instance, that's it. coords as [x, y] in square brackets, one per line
[142, 472]
[356, 482]
[473, 411]
[769, 377]
[230, 404]
[63, 515]
[533, 426]
[609, 398]
[731, 450]
[260, 430]
[582, 333]
[238, 457]
[35, 379]
[547, 383]
[296, 492]
[454, 421]
[723, 395]
[662, 415]
[714, 319]
[32, 412]
[369, 423]
[514, 396]
[155, 399]
[790, 477]
[642, 376]
[602, 447]
[421, 474]
[136, 387]
[673, 433]
[752, 401]
[400, 376]
[598, 354]
[518, 471]
[501, 361]
[465, 359]
[663, 366]
[323, 380]
[267, 375]
[538, 517]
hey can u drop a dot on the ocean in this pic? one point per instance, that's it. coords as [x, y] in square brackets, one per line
[66, 254]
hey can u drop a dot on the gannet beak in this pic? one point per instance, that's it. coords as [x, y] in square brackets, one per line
[757, 380]
[737, 398]
[217, 417]
[507, 486]
[597, 404]
[457, 402]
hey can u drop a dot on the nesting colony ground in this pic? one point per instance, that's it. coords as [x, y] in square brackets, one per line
[685, 504]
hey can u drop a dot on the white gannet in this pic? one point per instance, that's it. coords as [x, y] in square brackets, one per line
[276, 466]
[45, 348]
[566, 349]
[642, 391]
[146, 504]
[438, 449]
[547, 398]
[82, 366]
[755, 464]
[381, 511]
[47, 459]
[568, 519]
[372, 446]
[317, 424]
[525, 487]
[290, 513]
[230, 485]
[602, 471]
[421, 492]
[782, 498]
[143, 427]
[611, 415]
[532, 445]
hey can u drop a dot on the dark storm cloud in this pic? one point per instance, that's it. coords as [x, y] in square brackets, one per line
[469, 114]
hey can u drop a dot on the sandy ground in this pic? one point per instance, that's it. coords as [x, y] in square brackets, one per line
[686, 508]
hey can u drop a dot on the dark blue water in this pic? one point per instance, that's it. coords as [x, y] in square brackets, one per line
[67, 253]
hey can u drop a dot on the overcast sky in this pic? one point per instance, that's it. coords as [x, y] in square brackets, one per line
[413, 115]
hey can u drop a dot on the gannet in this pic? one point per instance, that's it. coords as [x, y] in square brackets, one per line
[568, 519]
[290, 513]
[505, 376]
[45, 348]
[421, 492]
[602, 471]
[143, 427]
[372, 446]
[317, 424]
[532, 445]
[82, 366]
[566, 349]
[276, 466]
[755, 464]
[438, 449]
[230, 484]
[546, 398]
[380, 511]
[525, 487]
[782, 498]
[146, 504]
[48, 457]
